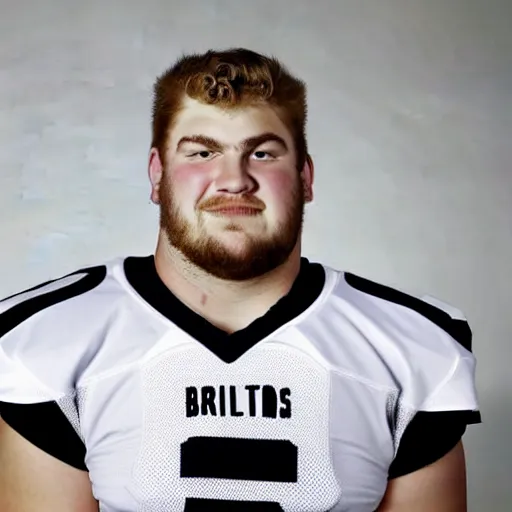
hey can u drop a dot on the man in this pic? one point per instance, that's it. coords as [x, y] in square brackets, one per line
[227, 372]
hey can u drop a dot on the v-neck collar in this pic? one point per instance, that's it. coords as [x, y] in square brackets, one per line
[142, 275]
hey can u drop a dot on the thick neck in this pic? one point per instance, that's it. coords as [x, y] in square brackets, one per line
[229, 305]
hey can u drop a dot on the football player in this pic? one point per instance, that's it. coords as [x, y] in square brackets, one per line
[225, 371]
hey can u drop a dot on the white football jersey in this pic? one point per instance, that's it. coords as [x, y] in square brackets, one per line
[343, 385]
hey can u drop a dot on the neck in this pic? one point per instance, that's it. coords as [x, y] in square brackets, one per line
[229, 305]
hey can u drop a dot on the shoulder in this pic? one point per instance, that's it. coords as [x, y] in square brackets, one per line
[438, 313]
[68, 293]
[20, 307]
[405, 318]
[47, 331]
[424, 343]
[56, 339]
[426, 346]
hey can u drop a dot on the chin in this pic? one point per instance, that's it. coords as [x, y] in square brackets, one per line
[237, 246]
[234, 234]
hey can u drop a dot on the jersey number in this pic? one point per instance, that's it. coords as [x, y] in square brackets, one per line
[237, 459]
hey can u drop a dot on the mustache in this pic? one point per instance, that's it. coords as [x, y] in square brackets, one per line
[218, 203]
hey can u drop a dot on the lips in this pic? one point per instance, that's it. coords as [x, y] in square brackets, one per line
[234, 209]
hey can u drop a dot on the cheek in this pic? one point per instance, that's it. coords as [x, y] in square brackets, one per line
[279, 188]
[189, 181]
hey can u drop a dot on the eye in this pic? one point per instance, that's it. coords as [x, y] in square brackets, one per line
[262, 155]
[201, 155]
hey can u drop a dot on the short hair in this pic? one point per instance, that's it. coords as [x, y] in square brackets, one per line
[230, 79]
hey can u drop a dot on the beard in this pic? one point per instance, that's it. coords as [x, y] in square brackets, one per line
[259, 256]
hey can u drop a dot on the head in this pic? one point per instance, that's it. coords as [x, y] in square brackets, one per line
[229, 165]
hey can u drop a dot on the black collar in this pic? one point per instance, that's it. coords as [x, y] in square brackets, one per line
[143, 277]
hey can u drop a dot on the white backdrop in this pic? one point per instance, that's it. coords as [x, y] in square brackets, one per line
[410, 128]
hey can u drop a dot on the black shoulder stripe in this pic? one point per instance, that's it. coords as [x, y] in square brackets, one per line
[17, 314]
[458, 329]
[45, 426]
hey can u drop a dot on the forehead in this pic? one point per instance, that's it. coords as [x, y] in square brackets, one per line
[227, 126]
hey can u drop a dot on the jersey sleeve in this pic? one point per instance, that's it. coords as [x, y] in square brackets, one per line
[441, 420]
[44, 425]
[457, 391]
[36, 390]
[35, 412]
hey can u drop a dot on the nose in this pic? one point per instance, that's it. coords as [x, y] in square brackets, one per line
[233, 177]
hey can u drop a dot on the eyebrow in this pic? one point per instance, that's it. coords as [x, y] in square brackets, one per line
[245, 145]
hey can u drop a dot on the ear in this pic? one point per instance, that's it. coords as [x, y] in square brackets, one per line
[308, 174]
[155, 172]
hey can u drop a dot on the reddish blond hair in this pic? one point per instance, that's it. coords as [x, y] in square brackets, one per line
[230, 79]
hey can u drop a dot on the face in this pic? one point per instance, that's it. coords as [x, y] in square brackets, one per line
[231, 197]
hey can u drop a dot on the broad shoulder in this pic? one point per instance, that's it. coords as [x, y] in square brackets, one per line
[443, 315]
[52, 334]
[394, 307]
[67, 294]
[397, 340]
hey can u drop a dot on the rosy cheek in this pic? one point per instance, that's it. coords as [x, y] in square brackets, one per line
[279, 184]
[281, 179]
[192, 179]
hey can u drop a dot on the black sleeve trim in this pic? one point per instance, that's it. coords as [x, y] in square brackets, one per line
[428, 437]
[457, 328]
[45, 426]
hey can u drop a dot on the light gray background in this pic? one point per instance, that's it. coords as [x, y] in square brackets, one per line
[410, 129]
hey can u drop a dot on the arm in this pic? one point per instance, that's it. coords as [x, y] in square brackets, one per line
[33, 481]
[440, 486]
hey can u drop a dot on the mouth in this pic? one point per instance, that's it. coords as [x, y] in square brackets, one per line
[234, 211]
